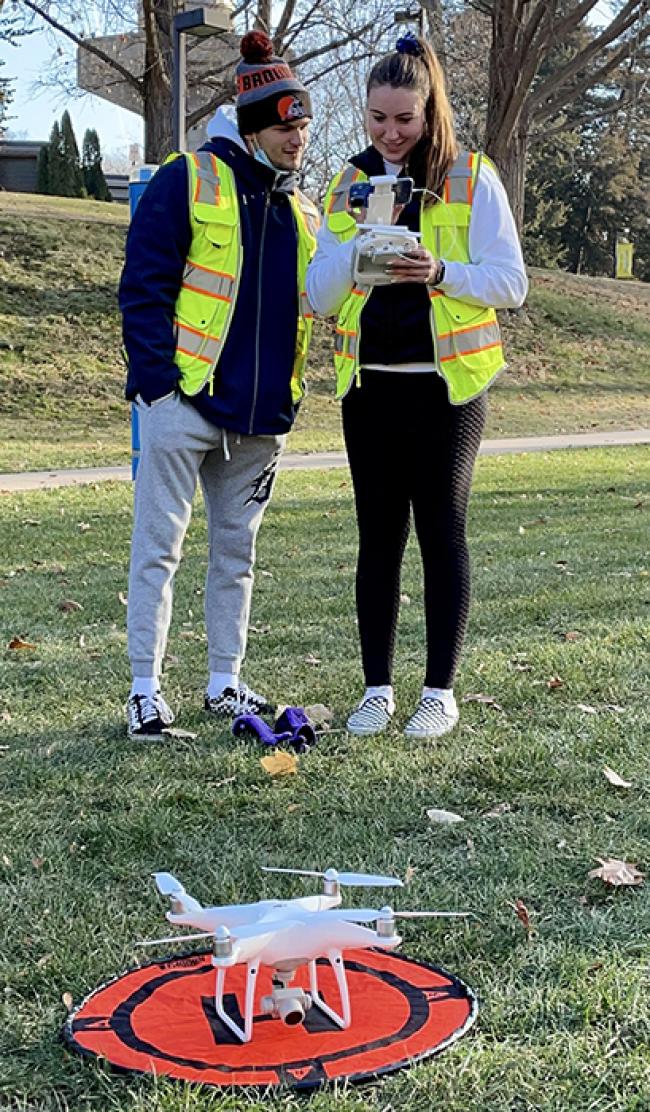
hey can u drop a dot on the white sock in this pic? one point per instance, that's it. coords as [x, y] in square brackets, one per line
[219, 681]
[145, 685]
[444, 694]
[384, 691]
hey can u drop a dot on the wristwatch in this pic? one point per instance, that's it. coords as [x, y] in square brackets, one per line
[440, 274]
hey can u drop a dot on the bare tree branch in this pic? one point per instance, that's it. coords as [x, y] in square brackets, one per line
[86, 44]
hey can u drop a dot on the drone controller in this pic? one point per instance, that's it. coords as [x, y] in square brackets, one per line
[381, 241]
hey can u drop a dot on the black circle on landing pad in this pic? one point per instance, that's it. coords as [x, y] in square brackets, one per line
[160, 1018]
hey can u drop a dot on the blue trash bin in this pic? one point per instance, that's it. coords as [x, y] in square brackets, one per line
[139, 180]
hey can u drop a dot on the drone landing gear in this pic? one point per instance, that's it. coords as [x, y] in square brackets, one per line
[285, 1003]
[246, 1034]
[335, 959]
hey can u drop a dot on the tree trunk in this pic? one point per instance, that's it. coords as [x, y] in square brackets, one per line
[157, 95]
[157, 122]
[511, 164]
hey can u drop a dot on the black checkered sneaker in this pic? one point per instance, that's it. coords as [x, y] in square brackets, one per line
[231, 703]
[370, 717]
[147, 716]
[431, 719]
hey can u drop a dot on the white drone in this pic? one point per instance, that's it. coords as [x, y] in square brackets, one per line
[284, 935]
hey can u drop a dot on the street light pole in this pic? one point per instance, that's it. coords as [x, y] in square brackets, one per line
[201, 23]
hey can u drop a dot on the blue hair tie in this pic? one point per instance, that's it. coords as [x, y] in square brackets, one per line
[409, 44]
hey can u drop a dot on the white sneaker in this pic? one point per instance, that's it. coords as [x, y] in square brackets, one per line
[230, 702]
[431, 718]
[370, 717]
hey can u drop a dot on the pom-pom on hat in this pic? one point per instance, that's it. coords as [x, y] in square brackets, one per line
[268, 93]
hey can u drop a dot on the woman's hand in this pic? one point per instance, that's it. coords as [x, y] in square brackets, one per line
[418, 265]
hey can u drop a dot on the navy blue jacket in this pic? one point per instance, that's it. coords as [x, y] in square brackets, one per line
[252, 392]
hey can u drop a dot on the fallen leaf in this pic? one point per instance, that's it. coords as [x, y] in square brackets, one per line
[615, 708]
[6, 860]
[495, 812]
[615, 779]
[617, 873]
[523, 915]
[67, 1000]
[43, 960]
[554, 682]
[521, 666]
[280, 763]
[174, 731]
[69, 604]
[267, 574]
[471, 849]
[586, 708]
[82, 640]
[521, 530]
[259, 629]
[320, 715]
[409, 874]
[572, 635]
[38, 862]
[17, 644]
[446, 818]
[406, 599]
[487, 700]
[123, 598]
[311, 659]
[562, 843]
[83, 526]
[293, 807]
[5, 716]
[31, 521]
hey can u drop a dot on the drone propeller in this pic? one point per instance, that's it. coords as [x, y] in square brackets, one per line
[369, 914]
[363, 880]
[238, 934]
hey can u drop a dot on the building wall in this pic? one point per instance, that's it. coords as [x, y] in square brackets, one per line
[19, 165]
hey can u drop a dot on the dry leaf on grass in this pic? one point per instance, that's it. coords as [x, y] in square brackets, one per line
[83, 526]
[69, 604]
[311, 659]
[615, 779]
[572, 635]
[406, 599]
[280, 764]
[67, 1000]
[496, 812]
[487, 700]
[38, 862]
[617, 873]
[445, 818]
[409, 874]
[586, 709]
[555, 681]
[320, 715]
[174, 731]
[123, 598]
[17, 644]
[523, 915]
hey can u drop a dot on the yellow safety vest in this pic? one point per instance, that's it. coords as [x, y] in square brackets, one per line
[206, 302]
[466, 338]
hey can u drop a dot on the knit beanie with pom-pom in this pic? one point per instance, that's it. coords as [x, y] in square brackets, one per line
[267, 91]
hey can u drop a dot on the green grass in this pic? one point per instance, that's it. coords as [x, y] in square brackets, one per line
[558, 545]
[579, 356]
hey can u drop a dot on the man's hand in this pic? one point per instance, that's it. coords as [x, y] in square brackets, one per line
[418, 266]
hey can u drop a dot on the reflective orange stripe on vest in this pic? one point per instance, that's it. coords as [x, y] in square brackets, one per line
[459, 183]
[208, 182]
[201, 345]
[468, 341]
[213, 283]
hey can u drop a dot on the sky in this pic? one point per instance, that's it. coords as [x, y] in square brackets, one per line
[34, 110]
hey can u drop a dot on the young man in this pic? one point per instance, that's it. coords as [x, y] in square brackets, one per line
[216, 329]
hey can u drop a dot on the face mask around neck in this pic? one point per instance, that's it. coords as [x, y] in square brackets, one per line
[262, 156]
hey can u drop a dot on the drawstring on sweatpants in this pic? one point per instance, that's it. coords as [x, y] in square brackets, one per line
[224, 444]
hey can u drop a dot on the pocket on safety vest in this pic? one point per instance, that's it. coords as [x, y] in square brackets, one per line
[218, 225]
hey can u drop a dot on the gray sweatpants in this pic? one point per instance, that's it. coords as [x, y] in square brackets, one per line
[177, 446]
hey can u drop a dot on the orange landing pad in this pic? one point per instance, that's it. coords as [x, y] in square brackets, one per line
[160, 1019]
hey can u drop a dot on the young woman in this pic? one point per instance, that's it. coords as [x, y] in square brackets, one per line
[414, 360]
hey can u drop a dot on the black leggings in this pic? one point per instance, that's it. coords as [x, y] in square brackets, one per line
[409, 447]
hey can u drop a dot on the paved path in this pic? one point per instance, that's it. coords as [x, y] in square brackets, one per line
[39, 480]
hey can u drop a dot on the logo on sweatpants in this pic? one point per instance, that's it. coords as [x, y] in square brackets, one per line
[262, 484]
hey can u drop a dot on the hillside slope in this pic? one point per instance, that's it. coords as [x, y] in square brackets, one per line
[579, 354]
